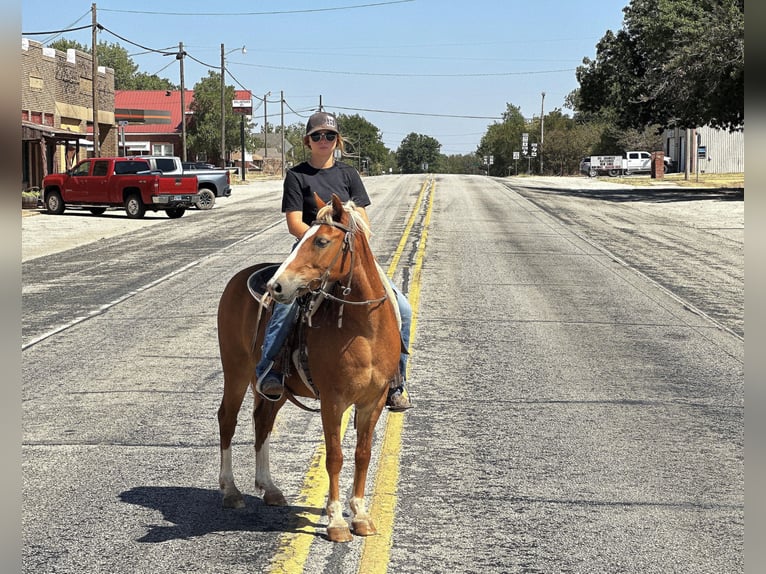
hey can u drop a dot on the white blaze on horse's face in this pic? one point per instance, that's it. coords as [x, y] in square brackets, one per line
[286, 284]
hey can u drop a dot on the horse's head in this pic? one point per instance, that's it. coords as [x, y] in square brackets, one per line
[322, 255]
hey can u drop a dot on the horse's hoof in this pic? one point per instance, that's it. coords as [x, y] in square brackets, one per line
[274, 498]
[364, 527]
[233, 500]
[339, 534]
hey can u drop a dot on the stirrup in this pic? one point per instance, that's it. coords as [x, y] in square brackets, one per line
[259, 385]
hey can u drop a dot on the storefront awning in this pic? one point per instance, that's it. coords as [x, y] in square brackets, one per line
[32, 131]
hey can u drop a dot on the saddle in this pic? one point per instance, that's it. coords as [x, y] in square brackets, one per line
[294, 353]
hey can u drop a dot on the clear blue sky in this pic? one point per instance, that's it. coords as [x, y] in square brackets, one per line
[405, 59]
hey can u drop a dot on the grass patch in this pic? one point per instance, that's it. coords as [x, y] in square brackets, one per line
[715, 180]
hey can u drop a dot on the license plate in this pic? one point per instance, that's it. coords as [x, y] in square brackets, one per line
[178, 197]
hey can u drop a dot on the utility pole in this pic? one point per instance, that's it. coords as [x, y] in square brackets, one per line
[542, 131]
[94, 84]
[321, 107]
[223, 109]
[282, 113]
[180, 57]
[265, 128]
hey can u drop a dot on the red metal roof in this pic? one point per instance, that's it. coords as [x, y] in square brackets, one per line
[156, 111]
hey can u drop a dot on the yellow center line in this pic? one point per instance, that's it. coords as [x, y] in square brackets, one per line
[376, 550]
[406, 235]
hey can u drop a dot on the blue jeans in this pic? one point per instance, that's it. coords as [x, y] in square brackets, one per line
[284, 316]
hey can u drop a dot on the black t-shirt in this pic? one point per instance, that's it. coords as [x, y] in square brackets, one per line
[303, 181]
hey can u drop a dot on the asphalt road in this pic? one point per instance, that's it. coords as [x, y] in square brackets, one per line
[579, 394]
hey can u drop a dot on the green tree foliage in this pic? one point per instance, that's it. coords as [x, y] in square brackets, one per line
[363, 143]
[126, 74]
[294, 134]
[502, 139]
[457, 163]
[675, 63]
[418, 153]
[204, 131]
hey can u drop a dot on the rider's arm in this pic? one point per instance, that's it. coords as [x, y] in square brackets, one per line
[295, 224]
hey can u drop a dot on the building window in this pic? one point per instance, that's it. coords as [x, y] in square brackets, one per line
[162, 149]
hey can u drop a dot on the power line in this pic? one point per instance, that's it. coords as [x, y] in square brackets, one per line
[269, 13]
[416, 113]
[56, 31]
[402, 75]
[163, 52]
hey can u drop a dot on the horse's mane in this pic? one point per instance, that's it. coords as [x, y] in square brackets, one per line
[356, 221]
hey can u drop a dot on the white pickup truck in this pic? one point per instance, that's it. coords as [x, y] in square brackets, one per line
[211, 183]
[614, 165]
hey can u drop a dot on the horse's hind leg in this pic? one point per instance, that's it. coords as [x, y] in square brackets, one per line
[233, 395]
[264, 415]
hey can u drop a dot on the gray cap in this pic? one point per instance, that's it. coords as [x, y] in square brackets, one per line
[321, 121]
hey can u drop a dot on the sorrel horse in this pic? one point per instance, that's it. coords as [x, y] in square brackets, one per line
[353, 347]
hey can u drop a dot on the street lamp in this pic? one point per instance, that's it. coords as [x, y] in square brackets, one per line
[223, 97]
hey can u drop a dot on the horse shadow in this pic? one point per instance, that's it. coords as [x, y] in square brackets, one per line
[194, 512]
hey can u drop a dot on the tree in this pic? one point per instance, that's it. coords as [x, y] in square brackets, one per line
[363, 142]
[675, 63]
[204, 131]
[459, 163]
[418, 153]
[502, 139]
[126, 74]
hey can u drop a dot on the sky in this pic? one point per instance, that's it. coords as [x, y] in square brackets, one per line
[444, 69]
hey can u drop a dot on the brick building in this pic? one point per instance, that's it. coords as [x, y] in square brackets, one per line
[57, 110]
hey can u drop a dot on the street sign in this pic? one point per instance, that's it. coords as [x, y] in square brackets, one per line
[515, 155]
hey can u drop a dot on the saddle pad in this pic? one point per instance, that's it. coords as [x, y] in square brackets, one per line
[256, 283]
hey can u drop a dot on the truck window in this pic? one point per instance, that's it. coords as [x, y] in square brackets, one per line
[81, 169]
[100, 168]
[165, 164]
[130, 167]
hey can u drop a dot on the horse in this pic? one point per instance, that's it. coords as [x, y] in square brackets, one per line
[353, 345]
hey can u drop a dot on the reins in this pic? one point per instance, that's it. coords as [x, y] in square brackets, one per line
[322, 291]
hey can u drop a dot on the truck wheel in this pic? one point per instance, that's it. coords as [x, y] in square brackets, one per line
[592, 173]
[206, 199]
[97, 210]
[614, 172]
[175, 212]
[134, 207]
[53, 203]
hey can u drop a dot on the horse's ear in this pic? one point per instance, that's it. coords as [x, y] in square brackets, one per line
[320, 203]
[337, 208]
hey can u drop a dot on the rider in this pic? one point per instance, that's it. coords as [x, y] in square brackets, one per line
[322, 175]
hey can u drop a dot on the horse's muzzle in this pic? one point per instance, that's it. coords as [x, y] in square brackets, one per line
[283, 292]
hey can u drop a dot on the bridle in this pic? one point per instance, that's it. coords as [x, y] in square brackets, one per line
[323, 291]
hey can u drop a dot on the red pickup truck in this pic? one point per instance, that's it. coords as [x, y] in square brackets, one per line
[101, 182]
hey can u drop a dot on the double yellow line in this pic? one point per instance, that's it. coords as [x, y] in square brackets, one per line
[294, 547]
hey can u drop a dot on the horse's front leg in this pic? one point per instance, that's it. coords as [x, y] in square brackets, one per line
[366, 419]
[337, 527]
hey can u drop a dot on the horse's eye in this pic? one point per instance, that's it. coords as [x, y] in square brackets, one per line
[321, 242]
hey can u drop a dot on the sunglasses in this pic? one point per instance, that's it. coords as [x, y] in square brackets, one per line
[330, 137]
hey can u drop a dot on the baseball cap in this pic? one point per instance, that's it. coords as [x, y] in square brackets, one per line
[321, 121]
